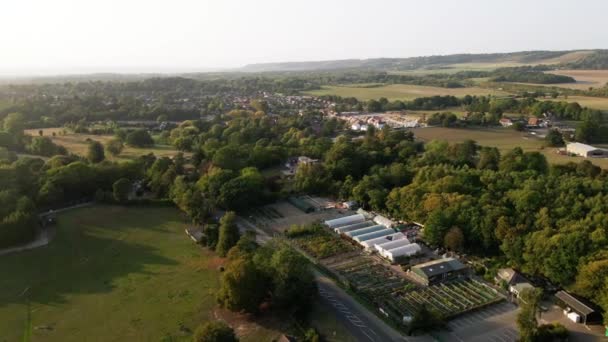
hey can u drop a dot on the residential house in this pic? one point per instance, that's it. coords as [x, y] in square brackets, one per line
[506, 122]
[516, 283]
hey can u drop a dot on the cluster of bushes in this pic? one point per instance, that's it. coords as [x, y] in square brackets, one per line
[302, 230]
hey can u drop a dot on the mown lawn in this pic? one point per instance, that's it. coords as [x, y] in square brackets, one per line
[504, 139]
[110, 274]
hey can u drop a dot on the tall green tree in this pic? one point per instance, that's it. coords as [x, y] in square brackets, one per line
[527, 318]
[114, 147]
[243, 286]
[95, 152]
[229, 233]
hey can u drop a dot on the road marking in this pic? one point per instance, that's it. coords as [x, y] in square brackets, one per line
[364, 333]
[457, 337]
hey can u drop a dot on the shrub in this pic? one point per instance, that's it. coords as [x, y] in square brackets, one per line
[215, 331]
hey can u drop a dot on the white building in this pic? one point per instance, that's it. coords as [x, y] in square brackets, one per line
[374, 235]
[385, 247]
[354, 226]
[343, 221]
[370, 245]
[407, 250]
[586, 151]
[355, 233]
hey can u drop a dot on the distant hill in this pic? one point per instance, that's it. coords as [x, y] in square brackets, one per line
[597, 59]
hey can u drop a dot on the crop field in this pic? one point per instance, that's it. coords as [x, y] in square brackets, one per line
[502, 138]
[322, 244]
[110, 272]
[450, 299]
[399, 297]
[78, 144]
[584, 78]
[400, 91]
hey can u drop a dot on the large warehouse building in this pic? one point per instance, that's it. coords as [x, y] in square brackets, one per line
[586, 151]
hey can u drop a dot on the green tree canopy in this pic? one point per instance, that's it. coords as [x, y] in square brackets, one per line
[214, 331]
[95, 152]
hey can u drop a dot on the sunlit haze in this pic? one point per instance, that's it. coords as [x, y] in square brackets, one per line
[71, 36]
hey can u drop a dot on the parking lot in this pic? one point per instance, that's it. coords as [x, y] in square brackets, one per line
[280, 215]
[494, 323]
[578, 331]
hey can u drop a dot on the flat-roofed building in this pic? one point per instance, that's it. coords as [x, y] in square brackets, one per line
[440, 270]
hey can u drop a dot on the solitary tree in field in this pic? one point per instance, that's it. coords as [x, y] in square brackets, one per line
[229, 233]
[114, 147]
[139, 138]
[214, 331]
[95, 153]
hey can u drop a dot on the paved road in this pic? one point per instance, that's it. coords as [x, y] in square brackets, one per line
[44, 236]
[364, 325]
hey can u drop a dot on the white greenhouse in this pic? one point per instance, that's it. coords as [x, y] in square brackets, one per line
[369, 244]
[362, 231]
[374, 235]
[381, 248]
[346, 220]
[354, 226]
[407, 250]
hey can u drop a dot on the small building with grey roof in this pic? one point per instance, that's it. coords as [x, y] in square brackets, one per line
[437, 271]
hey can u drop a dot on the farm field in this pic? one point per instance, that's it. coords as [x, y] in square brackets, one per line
[77, 143]
[400, 91]
[503, 139]
[584, 78]
[111, 272]
[600, 103]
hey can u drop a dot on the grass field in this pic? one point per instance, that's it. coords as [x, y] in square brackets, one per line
[77, 143]
[123, 274]
[600, 103]
[503, 139]
[110, 274]
[400, 91]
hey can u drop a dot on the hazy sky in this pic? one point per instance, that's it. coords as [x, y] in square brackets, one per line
[76, 36]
